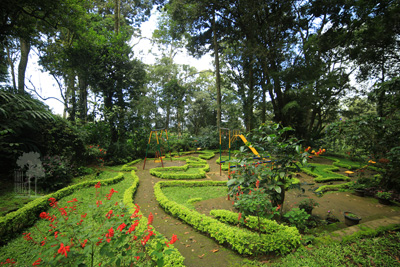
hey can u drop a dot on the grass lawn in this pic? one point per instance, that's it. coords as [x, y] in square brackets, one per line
[182, 195]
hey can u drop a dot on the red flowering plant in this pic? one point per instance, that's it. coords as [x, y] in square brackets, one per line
[255, 202]
[280, 154]
[109, 237]
[95, 154]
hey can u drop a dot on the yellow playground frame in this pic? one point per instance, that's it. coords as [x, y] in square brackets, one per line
[158, 133]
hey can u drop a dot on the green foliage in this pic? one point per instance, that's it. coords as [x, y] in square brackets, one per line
[241, 240]
[382, 251]
[191, 170]
[324, 173]
[280, 154]
[297, 217]
[58, 173]
[20, 116]
[333, 187]
[128, 166]
[256, 203]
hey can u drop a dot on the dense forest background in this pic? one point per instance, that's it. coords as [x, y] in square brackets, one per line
[313, 65]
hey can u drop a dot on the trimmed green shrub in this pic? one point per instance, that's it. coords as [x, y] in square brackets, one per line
[241, 240]
[268, 226]
[181, 172]
[334, 187]
[327, 173]
[128, 167]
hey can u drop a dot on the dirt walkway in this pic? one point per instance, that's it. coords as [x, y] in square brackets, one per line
[198, 249]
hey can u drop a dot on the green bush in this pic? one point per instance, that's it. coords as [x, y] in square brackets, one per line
[128, 167]
[181, 172]
[324, 173]
[241, 240]
[58, 173]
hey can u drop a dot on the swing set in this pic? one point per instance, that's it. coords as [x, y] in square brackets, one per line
[232, 136]
[158, 133]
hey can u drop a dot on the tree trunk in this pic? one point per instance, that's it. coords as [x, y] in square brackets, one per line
[116, 16]
[82, 107]
[71, 97]
[10, 61]
[25, 48]
[167, 117]
[217, 73]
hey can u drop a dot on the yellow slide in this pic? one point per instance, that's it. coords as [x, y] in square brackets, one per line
[251, 147]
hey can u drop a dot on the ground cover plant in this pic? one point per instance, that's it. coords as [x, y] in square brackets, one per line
[380, 251]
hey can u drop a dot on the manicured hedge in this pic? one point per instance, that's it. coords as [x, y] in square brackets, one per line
[268, 226]
[174, 258]
[329, 169]
[12, 223]
[334, 187]
[128, 167]
[241, 240]
[179, 172]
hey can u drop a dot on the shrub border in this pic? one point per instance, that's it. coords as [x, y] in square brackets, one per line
[241, 240]
[128, 166]
[320, 179]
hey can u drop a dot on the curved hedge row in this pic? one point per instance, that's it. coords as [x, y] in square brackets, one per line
[179, 172]
[13, 222]
[329, 169]
[268, 226]
[241, 240]
[128, 167]
[173, 258]
[333, 187]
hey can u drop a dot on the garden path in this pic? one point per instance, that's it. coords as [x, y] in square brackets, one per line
[198, 249]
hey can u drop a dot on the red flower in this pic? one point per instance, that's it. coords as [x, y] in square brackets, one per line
[27, 236]
[97, 185]
[11, 261]
[110, 234]
[73, 200]
[56, 234]
[121, 227]
[134, 215]
[258, 183]
[84, 243]
[63, 249]
[83, 215]
[279, 207]
[150, 219]
[173, 240]
[144, 241]
[240, 216]
[109, 214]
[63, 212]
[44, 215]
[99, 242]
[37, 262]
[44, 241]
[98, 203]
[133, 226]
[53, 202]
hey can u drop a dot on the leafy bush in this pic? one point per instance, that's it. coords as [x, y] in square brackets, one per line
[58, 173]
[297, 217]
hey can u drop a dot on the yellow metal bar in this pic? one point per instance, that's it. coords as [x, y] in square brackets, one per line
[150, 136]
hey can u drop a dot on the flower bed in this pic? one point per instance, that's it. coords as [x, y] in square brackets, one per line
[241, 240]
[14, 222]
